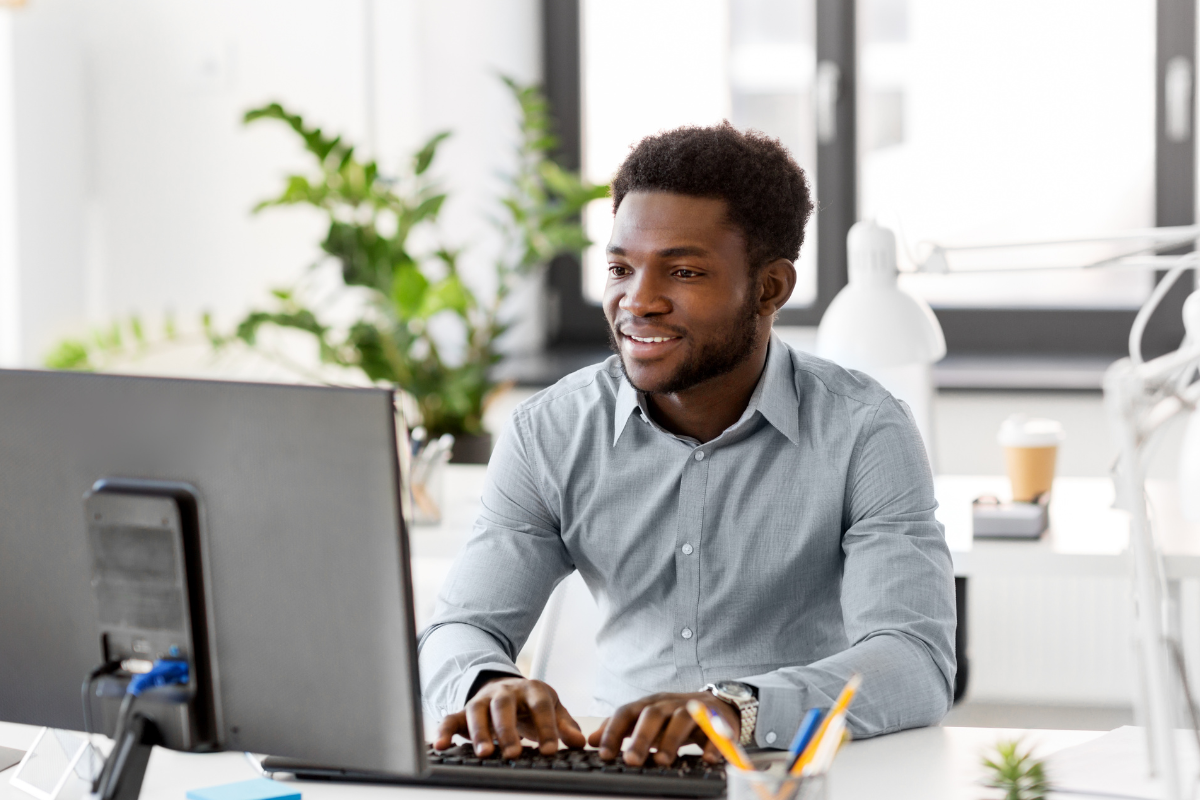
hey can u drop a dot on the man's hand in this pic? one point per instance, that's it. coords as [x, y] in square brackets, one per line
[661, 721]
[506, 709]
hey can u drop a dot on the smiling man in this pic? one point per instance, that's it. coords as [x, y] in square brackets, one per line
[755, 524]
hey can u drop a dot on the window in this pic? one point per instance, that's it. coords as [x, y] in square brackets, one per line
[978, 127]
[749, 61]
[951, 121]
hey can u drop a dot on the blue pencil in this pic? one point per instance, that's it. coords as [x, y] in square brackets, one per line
[804, 734]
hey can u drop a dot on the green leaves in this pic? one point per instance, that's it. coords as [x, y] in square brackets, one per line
[106, 345]
[371, 217]
[409, 286]
[70, 354]
[424, 156]
[1017, 773]
[544, 200]
[428, 209]
[314, 141]
[449, 294]
[300, 318]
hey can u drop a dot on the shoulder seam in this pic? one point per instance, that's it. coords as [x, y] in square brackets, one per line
[830, 389]
[551, 398]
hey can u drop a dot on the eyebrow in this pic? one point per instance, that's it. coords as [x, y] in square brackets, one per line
[670, 252]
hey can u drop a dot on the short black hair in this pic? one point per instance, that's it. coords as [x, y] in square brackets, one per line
[764, 189]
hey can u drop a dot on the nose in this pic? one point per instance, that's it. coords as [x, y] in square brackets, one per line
[644, 295]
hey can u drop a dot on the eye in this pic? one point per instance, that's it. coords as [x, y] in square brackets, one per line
[684, 272]
[618, 270]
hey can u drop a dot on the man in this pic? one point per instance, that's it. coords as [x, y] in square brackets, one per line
[755, 524]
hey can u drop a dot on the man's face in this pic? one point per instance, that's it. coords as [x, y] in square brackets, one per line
[680, 301]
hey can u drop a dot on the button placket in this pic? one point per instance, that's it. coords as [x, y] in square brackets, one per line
[692, 488]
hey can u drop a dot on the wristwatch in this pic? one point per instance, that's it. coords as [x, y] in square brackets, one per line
[741, 697]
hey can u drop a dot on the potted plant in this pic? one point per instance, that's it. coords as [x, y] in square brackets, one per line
[371, 217]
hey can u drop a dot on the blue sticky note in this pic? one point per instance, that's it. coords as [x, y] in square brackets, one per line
[257, 789]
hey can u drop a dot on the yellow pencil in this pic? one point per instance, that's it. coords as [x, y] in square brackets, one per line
[832, 741]
[839, 708]
[724, 731]
[700, 714]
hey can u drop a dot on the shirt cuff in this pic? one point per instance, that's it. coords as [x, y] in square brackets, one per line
[471, 675]
[780, 708]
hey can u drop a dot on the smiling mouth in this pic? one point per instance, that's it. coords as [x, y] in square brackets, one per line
[651, 339]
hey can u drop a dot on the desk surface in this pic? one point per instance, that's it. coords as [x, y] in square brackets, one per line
[928, 763]
[1087, 535]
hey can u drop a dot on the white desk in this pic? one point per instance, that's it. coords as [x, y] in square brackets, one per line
[1087, 535]
[924, 764]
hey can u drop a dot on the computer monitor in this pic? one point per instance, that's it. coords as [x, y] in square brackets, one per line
[310, 597]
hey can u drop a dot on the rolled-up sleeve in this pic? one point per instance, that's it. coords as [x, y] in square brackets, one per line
[897, 597]
[499, 583]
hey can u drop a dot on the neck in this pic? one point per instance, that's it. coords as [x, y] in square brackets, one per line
[704, 411]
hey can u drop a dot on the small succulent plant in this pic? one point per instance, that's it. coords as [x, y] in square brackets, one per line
[1016, 772]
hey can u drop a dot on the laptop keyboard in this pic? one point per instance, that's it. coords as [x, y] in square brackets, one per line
[576, 761]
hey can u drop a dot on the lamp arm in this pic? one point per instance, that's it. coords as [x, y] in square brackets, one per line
[1125, 395]
[1181, 234]
[1161, 239]
[1166, 368]
[1147, 310]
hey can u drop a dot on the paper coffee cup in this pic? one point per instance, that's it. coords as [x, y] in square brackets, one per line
[1030, 448]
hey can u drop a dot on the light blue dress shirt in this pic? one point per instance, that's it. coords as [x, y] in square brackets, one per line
[796, 548]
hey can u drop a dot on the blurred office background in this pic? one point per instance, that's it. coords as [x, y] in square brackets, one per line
[127, 181]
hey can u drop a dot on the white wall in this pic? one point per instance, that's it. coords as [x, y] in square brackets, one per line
[10, 306]
[135, 177]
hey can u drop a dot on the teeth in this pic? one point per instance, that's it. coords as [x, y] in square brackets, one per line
[652, 338]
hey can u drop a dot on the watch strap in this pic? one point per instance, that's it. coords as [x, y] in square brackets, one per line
[747, 709]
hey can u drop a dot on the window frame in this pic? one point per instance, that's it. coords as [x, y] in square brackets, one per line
[577, 323]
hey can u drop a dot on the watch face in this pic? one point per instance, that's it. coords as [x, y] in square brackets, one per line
[738, 691]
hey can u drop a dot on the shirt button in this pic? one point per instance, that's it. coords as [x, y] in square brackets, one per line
[686, 633]
[700, 456]
[771, 737]
[687, 549]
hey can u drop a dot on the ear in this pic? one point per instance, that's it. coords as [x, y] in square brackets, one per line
[776, 281]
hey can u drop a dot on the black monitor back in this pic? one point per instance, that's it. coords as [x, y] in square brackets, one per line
[308, 583]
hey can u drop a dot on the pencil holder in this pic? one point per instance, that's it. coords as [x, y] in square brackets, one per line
[427, 495]
[773, 784]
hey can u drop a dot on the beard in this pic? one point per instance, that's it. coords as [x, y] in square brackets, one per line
[710, 360]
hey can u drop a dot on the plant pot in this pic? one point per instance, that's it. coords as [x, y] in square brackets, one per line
[471, 449]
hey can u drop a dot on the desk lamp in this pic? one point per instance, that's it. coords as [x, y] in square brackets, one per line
[876, 327]
[1141, 396]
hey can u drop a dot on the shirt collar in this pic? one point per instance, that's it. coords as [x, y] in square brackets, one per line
[774, 396]
[627, 402]
[776, 391]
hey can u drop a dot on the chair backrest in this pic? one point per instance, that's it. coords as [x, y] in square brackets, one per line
[564, 650]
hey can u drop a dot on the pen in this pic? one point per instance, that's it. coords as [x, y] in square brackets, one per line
[839, 709]
[700, 715]
[803, 736]
[831, 742]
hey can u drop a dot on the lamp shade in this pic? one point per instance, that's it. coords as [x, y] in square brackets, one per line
[876, 327]
[872, 322]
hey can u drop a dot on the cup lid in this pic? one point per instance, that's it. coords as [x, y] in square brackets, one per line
[1020, 430]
